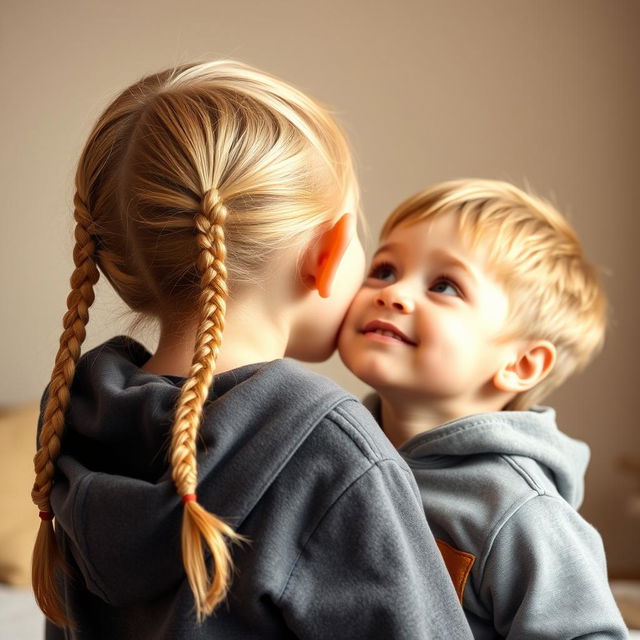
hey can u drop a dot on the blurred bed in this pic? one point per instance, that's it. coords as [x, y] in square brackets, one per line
[20, 618]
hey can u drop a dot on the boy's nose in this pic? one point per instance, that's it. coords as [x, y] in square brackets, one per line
[394, 299]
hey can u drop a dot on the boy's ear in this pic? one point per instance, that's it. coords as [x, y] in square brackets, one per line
[531, 365]
[323, 257]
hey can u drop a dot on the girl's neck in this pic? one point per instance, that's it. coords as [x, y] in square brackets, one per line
[248, 338]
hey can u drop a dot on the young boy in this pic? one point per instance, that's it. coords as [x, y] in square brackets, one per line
[479, 303]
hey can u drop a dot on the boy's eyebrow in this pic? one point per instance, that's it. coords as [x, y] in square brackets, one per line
[439, 254]
[386, 247]
[445, 256]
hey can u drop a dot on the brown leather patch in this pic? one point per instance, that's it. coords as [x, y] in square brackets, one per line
[458, 565]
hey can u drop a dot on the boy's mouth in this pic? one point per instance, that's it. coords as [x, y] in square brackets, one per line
[386, 330]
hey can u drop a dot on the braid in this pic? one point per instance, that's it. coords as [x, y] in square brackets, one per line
[46, 555]
[198, 525]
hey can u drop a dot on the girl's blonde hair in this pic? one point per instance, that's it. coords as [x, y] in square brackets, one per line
[554, 292]
[192, 178]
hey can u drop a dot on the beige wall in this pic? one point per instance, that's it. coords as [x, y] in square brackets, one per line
[545, 92]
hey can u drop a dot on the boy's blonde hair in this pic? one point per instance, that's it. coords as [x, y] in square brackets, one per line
[189, 175]
[554, 293]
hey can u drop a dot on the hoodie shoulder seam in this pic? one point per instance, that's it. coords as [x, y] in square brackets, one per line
[535, 490]
[495, 531]
[523, 473]
[507, 517]
[374, 465]
[353, 430]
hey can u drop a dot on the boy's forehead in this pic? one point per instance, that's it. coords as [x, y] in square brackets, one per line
[434, 232]
[439, 238]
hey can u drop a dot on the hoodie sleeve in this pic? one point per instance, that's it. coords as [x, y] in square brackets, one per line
[371, 568]
[546, 576]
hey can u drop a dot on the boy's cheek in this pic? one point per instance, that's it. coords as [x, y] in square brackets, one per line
[345, 328]
[354, 303]
[348, 346]
[346, 334]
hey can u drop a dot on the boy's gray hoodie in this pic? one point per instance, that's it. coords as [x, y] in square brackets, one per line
[339, 547]
[500, 491]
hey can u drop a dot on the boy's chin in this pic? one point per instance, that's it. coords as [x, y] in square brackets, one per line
[360, 370]
[367, 367]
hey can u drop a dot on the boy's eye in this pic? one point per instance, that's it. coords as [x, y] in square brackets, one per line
[383, 271]
[445, 286]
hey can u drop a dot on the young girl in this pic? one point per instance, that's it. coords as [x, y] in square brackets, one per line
[221, 202]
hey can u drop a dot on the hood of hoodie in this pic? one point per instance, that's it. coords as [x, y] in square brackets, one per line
[113, 495]
[533, 434]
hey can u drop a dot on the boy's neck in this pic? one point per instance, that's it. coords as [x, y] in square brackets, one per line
[402, 419]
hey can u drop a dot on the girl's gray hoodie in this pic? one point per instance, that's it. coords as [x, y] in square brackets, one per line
[500, 491]
[339, 547]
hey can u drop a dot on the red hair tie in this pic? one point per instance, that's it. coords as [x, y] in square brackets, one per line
[188, 497]
[46, 515]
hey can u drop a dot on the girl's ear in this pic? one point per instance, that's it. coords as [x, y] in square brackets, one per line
[531, 365]
[323, 256]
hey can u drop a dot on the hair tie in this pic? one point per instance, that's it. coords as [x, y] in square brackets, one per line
[46, 515]
[188, 497]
